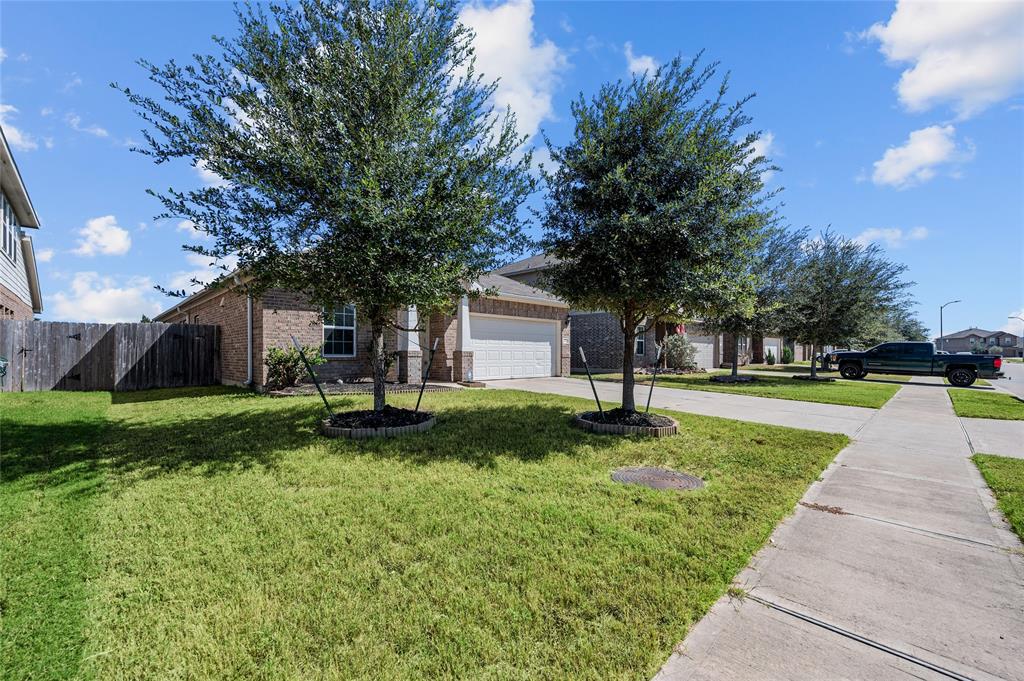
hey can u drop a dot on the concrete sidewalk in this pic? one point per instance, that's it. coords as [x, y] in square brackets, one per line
[830, 418]
[895, 566]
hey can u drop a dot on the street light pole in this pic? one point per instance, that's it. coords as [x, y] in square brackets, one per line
[941, 332]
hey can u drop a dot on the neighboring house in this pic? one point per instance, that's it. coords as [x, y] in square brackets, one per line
[20, 297]
[973, 339]
[601, 337]
[511, 330]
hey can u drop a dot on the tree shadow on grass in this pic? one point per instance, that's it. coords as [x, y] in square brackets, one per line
[242, 431]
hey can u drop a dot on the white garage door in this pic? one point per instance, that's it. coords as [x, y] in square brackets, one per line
[705, 351]
[512, 347]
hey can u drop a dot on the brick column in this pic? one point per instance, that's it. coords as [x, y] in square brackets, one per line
[757, 349]
[462, 365]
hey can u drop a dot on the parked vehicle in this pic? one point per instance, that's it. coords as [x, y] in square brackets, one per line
[917, 359]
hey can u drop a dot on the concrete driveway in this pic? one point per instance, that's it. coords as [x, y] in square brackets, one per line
[895, 565]
[829, 418]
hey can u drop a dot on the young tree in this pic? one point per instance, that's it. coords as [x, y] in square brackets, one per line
[755, 304]
[839, 289]
[655, 193]
[357, 157]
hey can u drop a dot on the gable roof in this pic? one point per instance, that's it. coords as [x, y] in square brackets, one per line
[14, 188]
[982, 333]
[540, 261]
[516, 290]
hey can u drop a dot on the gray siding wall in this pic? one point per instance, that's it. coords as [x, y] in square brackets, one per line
[13, 276]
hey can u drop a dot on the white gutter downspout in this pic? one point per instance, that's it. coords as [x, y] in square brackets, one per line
[248, 340]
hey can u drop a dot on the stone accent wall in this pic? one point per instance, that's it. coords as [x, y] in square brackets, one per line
[510, 308]
[601, 338]
[13, 307]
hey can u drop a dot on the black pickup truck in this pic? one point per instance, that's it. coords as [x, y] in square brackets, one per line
[918, 359]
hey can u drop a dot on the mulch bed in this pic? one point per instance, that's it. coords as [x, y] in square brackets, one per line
[389, 417]
[820, 379]
[729, 378]
[622, 417]
[670, 372]
[361, 388]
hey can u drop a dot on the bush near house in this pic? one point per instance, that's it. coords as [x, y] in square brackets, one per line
[285, 367]
[680, 353]
[787, 356]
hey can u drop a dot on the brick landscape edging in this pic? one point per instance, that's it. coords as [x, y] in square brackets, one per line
[617, 429]
[366, 433]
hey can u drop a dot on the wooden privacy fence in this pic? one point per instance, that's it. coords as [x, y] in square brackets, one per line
[74, 356]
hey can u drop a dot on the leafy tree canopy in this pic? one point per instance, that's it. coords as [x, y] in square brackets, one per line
[358, 156]
[653, 198]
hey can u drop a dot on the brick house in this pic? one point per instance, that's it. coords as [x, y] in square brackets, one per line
[507, 330]
[974, 338]
[20, 297]
[601, 337]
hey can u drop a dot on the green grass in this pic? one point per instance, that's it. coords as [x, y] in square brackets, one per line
[805, 368]
[146, 534]
[1015, 360]
[1005, 476]
[986, 405]
[850, 393]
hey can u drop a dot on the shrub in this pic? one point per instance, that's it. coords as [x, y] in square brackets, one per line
[787, 355]
[995, 350]
[680, 353]
[770, 358]
[285, 367]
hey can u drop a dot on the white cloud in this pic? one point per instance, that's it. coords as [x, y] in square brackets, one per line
[75, 121]
[46, 111]
[1014, 326]
[506, 50]
[48, 142]
[72, 83]
[103, 236]
[917, 159]
[18, 138]
[765, 146]
[209, 177]
[95, 298]
[24, 57]
[3, 54]
[638, 64]
[893, 237]
[967, 53]
[45, 255]
[193, 232]
[204, 269]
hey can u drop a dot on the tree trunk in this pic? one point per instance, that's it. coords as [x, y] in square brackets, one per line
[628, 343]
[735, 355]
[814, 366]
[380, 365]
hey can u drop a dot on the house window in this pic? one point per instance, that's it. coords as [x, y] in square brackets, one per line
[10, 229]
[340, 332]
[640, 344]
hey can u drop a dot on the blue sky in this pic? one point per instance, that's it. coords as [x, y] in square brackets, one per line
[893, 123]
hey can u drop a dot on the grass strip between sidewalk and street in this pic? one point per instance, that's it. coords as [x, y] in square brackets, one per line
[986, 405]
[1005, 476]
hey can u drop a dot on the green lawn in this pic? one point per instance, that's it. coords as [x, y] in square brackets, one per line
[213, 534]
[986, 405]
[1015, 360]
[1005, 476]
[851, 393]
[805, 368]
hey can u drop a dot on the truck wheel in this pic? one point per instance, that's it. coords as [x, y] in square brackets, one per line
[851, 370]
[962, 378]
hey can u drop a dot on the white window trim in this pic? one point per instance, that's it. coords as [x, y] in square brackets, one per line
[355, 322]
[640, 341]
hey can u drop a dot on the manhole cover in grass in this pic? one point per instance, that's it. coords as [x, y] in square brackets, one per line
[656, 478]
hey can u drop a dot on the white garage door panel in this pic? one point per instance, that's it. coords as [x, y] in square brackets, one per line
[509, 347]
[705, 351]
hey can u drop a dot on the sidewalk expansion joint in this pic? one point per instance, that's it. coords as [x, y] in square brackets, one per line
[877, 645]
[837, 510]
